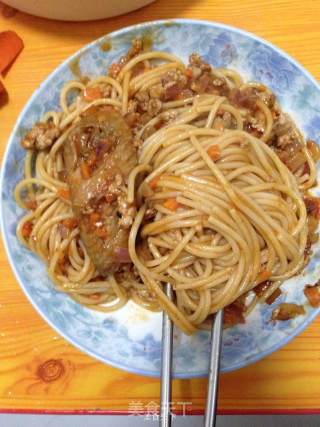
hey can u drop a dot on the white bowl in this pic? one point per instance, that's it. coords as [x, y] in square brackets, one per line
[77, 10]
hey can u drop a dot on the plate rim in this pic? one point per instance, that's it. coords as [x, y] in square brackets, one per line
[181, 21]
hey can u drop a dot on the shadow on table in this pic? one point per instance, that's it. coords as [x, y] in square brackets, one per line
[90, 30]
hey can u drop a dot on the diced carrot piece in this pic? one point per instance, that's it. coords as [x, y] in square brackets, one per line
[188, 72]
[31, 204]
[85, 170]
[171, 204]
[64, 193]
[95, 217]
[214, 152]
[313, 295]
[263, 276]
[95, 296]
[92, 93]
[10, 47]
[70, 223]
[27, 229]
[218, 125]
[154, 182]
[101, 232]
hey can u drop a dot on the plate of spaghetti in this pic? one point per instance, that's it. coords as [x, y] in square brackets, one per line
[181, 152]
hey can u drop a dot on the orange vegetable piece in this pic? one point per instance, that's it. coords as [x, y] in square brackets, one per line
[214, 152]
[154, 182]
[188, 72]
[85, 170]
[27, 229]
[64, 193]
[218, 125]
[10, 47]
[70, 223]
[31, 204]
[263, 276]
[171, 204]
[92, 93]
[95, 217]
[95, 296]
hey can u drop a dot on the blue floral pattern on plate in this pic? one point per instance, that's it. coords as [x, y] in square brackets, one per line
[131, 338]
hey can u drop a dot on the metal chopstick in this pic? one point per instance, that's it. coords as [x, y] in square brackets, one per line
[166, 366]
[213, 378]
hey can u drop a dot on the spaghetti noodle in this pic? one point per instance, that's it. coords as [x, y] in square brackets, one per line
[219, 189]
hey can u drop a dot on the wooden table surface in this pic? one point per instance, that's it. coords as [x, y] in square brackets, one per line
[31, 352]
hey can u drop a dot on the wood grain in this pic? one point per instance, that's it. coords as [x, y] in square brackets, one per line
[38, 369]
